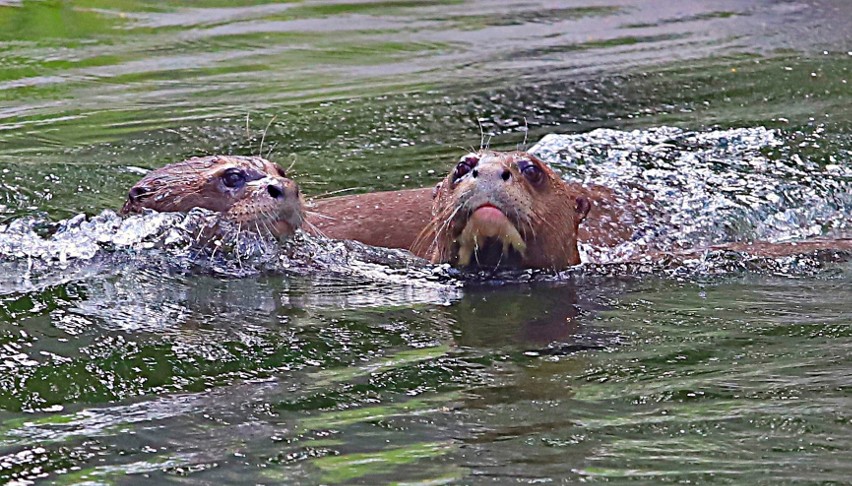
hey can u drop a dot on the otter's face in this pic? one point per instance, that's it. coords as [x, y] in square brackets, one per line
[504, 209]
[251, 192]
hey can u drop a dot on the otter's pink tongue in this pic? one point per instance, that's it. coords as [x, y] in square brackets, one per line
[489, 220]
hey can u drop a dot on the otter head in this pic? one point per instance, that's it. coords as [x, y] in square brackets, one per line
[250, 192]
[503, 209]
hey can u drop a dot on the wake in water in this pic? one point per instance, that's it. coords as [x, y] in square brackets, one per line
[689, 191]
[36, 254]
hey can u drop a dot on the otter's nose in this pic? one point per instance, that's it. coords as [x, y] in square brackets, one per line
[491, 173]
[275, 191]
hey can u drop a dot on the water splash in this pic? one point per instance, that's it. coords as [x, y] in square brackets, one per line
[693, 189]
[688, 190]
[36, 253]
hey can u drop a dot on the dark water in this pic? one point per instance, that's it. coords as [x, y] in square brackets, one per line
[123, 364]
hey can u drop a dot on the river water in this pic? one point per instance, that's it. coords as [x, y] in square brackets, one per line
[123, 361]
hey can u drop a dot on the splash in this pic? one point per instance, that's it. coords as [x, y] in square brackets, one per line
[689, 190]
[694, 189]
[36, 253]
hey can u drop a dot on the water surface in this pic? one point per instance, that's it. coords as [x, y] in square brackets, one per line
[121, 363]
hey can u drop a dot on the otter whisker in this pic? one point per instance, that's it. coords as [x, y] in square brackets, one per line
[267, 224]
[267, 218]
[524, 223]
[419, 245]
[497, 265]
[320, 197]
[476, 249]
[271, 237]
[441, 225]
[532, 230]
[320, 215]
[314, 229]
[548, 223]
[237, 244]
[200, 250]
[262, 138]
[260, 233]
[447, 220]
[211, 239]
[200, 232]
[216, 242]
[271, 149]
[554, 229]
[434, 227]
[210, 259]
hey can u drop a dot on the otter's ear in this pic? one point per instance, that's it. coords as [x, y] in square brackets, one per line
[437, 189]
[583, 207]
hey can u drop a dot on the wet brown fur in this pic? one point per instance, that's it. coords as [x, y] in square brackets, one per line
[197, 183]
[414, 219]
[390, 219]
[394, 219]
[546, 214]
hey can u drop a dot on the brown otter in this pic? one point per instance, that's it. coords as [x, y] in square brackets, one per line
[494, 208]
[503, 208]
[250, 192]
[402, 215]
[396, 218]
[391, 219]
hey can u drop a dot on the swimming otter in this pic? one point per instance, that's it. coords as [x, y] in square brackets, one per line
[509, 209]
[250, 192]
[493, 209]
[407, 219]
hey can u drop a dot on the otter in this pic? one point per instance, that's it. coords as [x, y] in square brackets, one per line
[503, 209]
[391, 219]
[251, 192]
[454, 222]
[494, 209]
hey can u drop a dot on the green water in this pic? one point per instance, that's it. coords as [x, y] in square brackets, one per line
[131, 374]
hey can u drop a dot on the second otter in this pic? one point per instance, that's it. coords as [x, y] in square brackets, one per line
[252, 193]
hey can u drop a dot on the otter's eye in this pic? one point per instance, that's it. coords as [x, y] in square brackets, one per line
[281, 171]
[137, 193]
[532, 172]
[464, 166]
[234, 178]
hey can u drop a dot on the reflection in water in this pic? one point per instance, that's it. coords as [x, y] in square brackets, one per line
[441, 387]
[312, 365]
[532, 316]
